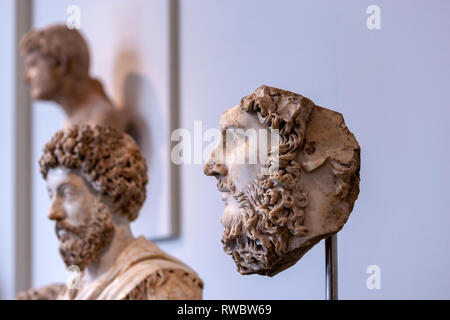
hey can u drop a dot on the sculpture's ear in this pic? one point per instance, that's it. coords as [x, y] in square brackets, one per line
[344, 157]
[61, 65]
[313, 163]
[339, 157]
[314, 155]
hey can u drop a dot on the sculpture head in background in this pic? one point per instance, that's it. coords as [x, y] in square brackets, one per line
[57, 69]
[96, 178]
[301, 192]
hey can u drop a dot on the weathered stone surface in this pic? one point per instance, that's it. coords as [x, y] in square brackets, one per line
[272, 220]
[96, 179]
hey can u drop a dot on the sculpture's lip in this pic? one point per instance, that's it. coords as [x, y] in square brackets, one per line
[63, 229]
[61, 232]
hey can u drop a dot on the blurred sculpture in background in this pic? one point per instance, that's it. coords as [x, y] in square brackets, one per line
[96, 179]
[307, 191]
[57, 69]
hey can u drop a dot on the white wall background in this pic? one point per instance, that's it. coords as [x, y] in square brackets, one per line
[391, 86]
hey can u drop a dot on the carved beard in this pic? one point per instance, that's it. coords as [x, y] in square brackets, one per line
[270, 215]
[81, 245]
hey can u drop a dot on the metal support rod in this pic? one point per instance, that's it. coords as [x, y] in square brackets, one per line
[331, 268]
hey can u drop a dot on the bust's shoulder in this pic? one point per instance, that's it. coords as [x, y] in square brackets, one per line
[146, 268]
[49, 292]
[168, 284]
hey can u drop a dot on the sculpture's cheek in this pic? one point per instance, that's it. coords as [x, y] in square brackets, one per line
[243, 175]
[231, 212]
[76, 212]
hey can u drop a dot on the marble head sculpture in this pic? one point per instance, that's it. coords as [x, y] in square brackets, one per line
[307, 191]
[57, 69]
[96, 179]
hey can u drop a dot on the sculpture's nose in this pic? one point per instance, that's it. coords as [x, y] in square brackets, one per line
[212, 168]
[56, 210]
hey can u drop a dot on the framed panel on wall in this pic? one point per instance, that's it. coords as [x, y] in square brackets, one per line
[132, 47]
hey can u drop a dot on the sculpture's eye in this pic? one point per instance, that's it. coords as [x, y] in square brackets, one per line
[50, 193]
[240, 137]
[31, 62]
[67, 191]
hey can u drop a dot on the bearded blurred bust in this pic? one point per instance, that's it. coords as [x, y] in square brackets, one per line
[57, 69]
[301, 188]
[96, 179]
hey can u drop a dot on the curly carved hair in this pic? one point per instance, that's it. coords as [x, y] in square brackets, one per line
[283, 110]
[273, 209]
[287, 112]
[109, 160]
[60, 43]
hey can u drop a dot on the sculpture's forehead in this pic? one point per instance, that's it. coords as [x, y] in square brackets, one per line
[238, 118]
[33, 56]
[231, 118]
[60, 175]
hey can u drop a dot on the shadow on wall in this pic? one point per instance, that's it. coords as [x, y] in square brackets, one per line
[137, 99]
[135, 89]
[134, 93]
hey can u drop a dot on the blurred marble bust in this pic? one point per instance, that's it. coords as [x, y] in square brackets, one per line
[57, 69]
[302, 188]
[96, 179]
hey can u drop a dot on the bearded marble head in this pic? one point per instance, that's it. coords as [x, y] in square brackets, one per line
[96, 179]
[302, 191]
